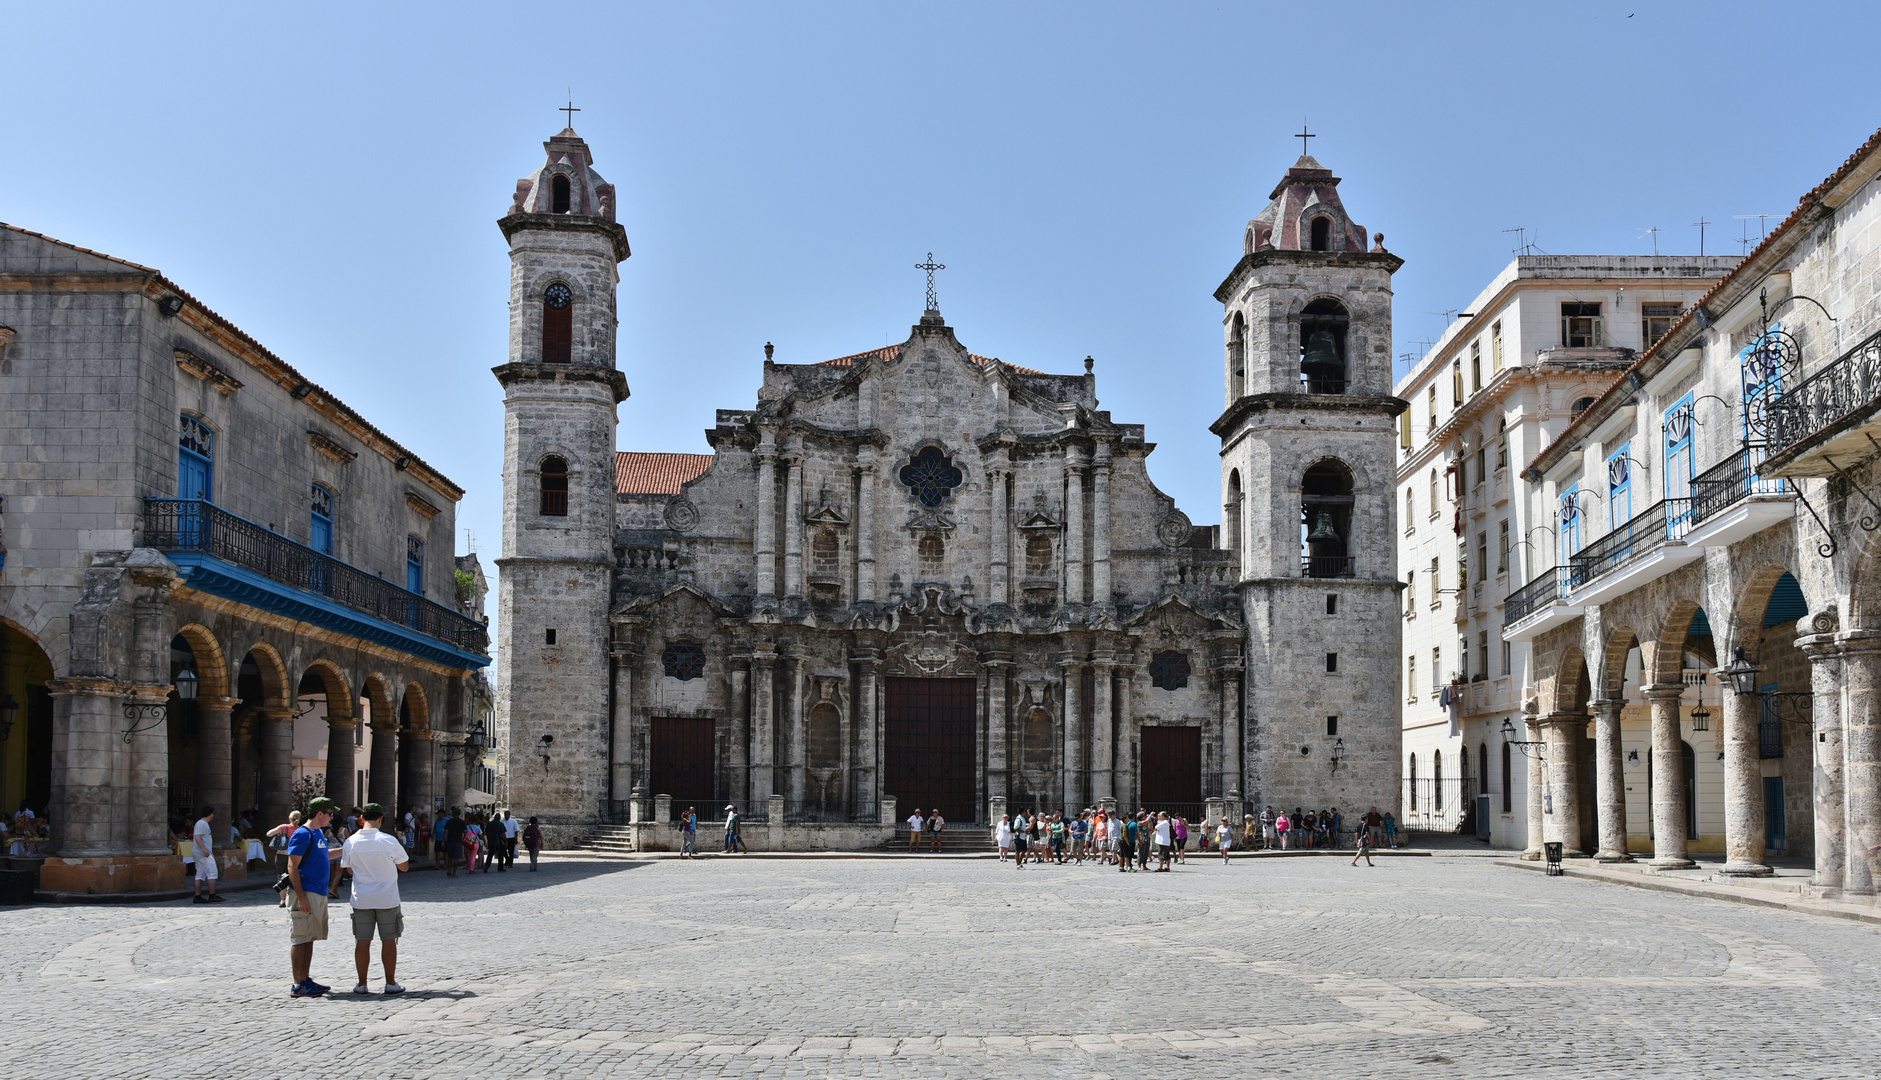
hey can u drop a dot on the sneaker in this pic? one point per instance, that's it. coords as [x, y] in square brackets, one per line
[362, 988]
[393, 988]
[199, 899]
[216, 898]
[307, 988]
[318, 988]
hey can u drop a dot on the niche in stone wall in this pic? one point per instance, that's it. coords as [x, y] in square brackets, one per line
[931, 551]
[1035, 741]
[823, 758]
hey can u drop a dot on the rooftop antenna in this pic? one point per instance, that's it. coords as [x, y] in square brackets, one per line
[1522, 246]
[1745, 241]
[1654, 233]
[1700, 224]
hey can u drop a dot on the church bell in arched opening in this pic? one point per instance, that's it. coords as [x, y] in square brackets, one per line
[1322, 363]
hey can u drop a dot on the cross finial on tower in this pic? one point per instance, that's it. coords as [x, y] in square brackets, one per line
[571, 110]
[933, 300]
[1305, 147]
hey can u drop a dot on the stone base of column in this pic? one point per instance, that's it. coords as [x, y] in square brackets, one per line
[1530, 855]
[1676, 863]
[1745, 870]
[1612, 856]
[114, 874]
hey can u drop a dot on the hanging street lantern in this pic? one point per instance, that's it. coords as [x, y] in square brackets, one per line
[1742, 673]
[1701, 719]
[9, 711]
[186, 684]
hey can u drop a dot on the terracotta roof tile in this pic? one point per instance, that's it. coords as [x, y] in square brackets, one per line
[888, 352]
[655, 473]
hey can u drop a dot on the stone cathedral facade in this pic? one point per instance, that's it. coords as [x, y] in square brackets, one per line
[925, 574]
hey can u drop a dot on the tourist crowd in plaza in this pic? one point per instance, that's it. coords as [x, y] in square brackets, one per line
[1128, 841]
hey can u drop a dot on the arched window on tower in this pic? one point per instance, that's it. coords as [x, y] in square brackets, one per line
[558, 323]
[1322, 347]
[1326, 521]
[554, 487]
[558, 195]
[1322, 234]
[1237, 358]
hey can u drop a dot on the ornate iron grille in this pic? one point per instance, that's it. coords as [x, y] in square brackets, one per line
[1850, 384]
[931, 476]
[201, 526]
[683, 660]
[1770, 368]
[1169, 670]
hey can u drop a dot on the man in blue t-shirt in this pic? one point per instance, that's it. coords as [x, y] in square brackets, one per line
[309, 871]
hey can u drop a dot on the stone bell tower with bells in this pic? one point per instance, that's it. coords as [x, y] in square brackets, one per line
[1308, 443]
[560, 395]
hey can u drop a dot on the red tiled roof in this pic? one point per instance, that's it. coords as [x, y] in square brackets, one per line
[656, 474]
[888, 352]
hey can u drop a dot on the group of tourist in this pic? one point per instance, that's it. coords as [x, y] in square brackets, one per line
[24, 833]
[1304, 829]
[1128, 841]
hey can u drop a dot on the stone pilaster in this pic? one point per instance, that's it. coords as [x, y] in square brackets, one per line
[763, 723]
[863, 709]
[1668, 779]
[1073, 775]
[764, 543]
[865, 524]
[1609, 781]
[621, 749]
[215, 765]
[1100, 526]
[147, 774]
[1829, 791]
[793, 724]
[793, 521]
[1536, 761]
[1861, 756]
[1103, 727]
[1565, 733]
[1076, 552]
[998, 726]
[382, 782]
[341, 731]
[1124, 786]
[738, 753]
[419, 785]
[88, 813]
[1000, 530]
[1231, 730]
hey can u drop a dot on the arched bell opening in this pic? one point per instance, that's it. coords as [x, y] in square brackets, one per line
[1326, 521]
[1323, 326]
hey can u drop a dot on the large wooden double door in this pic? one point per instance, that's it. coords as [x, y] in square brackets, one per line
[929, 755]
[682, 763]
[1172, 766]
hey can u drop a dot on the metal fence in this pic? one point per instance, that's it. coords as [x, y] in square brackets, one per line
[1642, 534]
[1849, 384]
[1433, 805]
[1537, 594]
[198, 525]
[1720, 487]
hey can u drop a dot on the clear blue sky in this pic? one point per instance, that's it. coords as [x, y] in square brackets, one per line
[329, 176]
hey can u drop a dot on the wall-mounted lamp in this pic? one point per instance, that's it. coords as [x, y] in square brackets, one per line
[170, 306]
[542, 747]
[1632, 756]
[9, 711]
[1338, 753]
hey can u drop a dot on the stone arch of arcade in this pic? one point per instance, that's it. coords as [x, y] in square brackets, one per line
[26, 746]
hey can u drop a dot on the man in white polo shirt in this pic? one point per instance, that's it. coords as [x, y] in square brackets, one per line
[376, 859]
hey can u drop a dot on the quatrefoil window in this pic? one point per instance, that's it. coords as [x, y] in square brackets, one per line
[683, 660]
[931, 476]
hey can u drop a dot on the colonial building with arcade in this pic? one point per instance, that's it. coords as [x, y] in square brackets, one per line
[927, 575]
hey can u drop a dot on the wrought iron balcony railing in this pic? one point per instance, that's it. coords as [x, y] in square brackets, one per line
[1328, 566]
[1848, 385]
[1537, 594]
[1722, 486]
[1646, 532]
[198, 525]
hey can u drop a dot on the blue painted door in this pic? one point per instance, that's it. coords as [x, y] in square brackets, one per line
[1776, 831]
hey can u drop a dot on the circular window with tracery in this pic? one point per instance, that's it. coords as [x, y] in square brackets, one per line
[931, 476]
[683, 660]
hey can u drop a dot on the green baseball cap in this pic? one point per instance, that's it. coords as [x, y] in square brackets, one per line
[322, 805]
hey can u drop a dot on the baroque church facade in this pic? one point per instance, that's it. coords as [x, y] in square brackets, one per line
[922, 574]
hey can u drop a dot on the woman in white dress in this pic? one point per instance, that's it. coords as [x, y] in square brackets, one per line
[1002, 836]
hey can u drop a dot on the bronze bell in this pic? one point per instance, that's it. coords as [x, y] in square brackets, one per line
[1322, 361]
[1322, 529]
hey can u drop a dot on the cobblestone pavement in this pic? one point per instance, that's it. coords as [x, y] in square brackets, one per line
[953, 968]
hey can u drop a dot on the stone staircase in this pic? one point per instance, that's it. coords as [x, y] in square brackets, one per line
[955, 840]
[610, 840]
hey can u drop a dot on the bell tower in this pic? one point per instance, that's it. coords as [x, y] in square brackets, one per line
[561, 390]
[1308, 444]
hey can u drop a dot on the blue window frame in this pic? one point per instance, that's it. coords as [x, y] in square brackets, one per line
[1619, 487]
[1679, 437]
[195, 459]
[320, 531]
[415, 565]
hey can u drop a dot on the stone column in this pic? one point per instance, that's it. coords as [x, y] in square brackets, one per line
[1103, 728]
[1828, 798]
[1537, 786]
[865, 524]
[1861, 756]
[1074, 526]
[275, 739]
[1743, 784]
[422, 758]
[862, 711]
[1609, 781]
[1565, 733]
[456, 760]
[763, 727]
[793, 723]
[147, 775]
[1231, 731]
[382, 783]
[1073, 774]
[1668, 779]
[793, 523]
[215, 766]
[738, 753]
[87, 814]
[1001, 531]
[998, 782]
[764, 542]
[340, 767]
[1123, 785]
[621, 752]
[1100, 526]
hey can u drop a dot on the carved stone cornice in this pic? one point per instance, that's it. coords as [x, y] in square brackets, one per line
[327, 445]
[225, 383]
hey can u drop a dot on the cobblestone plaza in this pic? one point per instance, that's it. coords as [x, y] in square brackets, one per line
[1446, 966]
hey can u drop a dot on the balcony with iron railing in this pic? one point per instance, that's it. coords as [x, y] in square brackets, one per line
[194, 531]
[1835, 411]
[1641, 535]
[1547, 589]
[1328, 566]
[1735, 498]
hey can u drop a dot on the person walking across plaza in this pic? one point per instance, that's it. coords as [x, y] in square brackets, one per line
[512, 830]
[376, 859]
[203, 842]
[453, 830]
[309, 870]
[1224, 838]
[734, 840]
[1372, 822]
[688, 834]
[532, 839]
[1021, 837]
[1165, 839]
[1363, 837]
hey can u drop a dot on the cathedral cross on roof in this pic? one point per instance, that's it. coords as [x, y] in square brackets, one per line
[571, 110]
[1303, 136]
[933, 301]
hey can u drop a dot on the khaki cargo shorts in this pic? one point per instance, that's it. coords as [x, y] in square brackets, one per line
[390, 922]
[307, 926]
